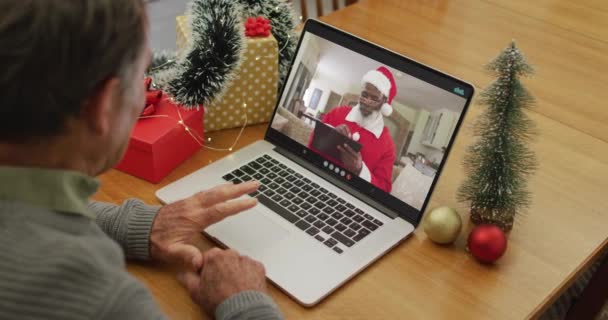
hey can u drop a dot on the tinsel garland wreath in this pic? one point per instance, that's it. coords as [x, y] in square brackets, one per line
[218, 39]
[162, 68]
[217, 48]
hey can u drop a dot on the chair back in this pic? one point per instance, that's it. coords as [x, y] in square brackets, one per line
[306, 6]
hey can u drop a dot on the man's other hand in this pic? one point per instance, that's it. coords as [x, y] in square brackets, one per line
[351, 159]
[178, 225]
[224, 274]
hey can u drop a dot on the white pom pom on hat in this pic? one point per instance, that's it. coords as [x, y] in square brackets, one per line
[386, 109]
[383, 80]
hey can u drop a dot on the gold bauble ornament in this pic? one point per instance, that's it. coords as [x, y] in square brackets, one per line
[442, 225]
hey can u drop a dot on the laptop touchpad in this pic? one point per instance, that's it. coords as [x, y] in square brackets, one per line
[250, 232]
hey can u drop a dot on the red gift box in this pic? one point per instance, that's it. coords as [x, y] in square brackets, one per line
[160, 143]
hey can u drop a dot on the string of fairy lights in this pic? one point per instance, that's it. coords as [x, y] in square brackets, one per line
[192, 132]
[195, 135]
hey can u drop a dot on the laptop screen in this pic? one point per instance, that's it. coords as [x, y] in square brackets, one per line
[377, 122]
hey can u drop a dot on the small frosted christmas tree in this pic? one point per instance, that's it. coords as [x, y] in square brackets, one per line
[499, 163]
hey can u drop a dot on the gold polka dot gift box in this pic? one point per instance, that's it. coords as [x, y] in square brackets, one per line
[251, 96]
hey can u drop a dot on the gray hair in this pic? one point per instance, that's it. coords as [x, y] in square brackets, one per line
[54, 54]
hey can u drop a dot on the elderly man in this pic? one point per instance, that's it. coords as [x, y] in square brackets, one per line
[364, 123]
[70, 92]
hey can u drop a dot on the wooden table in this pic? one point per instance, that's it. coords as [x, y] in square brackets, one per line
[567, 224]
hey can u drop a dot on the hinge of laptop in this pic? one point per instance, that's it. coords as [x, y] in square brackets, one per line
[337, 182]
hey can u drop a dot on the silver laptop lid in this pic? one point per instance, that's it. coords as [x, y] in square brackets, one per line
[402, 154]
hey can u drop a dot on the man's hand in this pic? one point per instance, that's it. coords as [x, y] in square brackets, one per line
[350, 158]
[225, 273]
[177, 225]
[343, 129]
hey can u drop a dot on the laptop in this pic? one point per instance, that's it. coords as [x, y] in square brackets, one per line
[317, 224]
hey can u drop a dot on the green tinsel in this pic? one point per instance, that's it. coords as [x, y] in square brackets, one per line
[217, 49]
[500, 162]
[215, 53]
[162, 67]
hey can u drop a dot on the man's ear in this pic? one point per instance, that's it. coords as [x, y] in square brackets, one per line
[100, 106]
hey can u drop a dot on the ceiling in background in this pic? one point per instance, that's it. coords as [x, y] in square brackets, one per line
[337, 63]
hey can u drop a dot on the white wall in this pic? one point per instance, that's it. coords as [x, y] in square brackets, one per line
[310, 58]
[326, 85]
[326, 78]
[415, 145]
[433, 154]
[408, 113]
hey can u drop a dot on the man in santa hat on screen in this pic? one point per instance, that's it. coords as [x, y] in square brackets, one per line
[364, 123]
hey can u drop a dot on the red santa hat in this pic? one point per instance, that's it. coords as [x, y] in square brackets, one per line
[384, 81]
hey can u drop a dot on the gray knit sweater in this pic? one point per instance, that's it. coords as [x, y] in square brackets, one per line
[57, 261]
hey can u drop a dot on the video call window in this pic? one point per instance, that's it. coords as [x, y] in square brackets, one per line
[333, 87]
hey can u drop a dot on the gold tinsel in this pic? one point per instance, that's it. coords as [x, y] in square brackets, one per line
[503, 218]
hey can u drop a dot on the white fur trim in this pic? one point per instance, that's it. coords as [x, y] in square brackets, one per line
[375, 124]
[386, 109]
[356, 136]
[365, 174]
[378, 80]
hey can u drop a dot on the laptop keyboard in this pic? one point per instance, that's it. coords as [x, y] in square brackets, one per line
[313, 209]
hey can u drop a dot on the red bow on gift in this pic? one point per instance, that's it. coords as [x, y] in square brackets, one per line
[257, 27]
[152, 98]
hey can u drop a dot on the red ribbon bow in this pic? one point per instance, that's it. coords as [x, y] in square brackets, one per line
[152, 98]
[257, 27]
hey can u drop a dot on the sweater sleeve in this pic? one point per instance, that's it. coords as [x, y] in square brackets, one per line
[128, 224]
[336, 116]
[128, 299]
[248, 305]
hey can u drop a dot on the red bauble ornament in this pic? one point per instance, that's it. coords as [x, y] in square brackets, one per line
[487, 243]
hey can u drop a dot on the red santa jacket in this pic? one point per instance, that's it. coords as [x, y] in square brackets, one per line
[378, 154]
